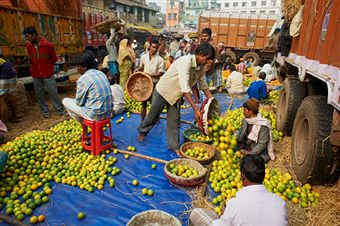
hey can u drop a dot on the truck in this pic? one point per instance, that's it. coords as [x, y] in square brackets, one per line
[58, 21]
[245, 36]
[309, 102]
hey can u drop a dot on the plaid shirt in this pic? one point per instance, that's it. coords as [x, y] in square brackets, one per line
[94, 95]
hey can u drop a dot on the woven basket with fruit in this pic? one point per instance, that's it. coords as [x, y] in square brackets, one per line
[185, 172]
[197, 151]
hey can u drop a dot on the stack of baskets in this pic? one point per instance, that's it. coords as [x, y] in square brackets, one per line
[139, 86]
[183, 181]
[191, 145]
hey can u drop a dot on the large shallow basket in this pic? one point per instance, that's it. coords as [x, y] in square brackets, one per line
[191, 145]
[188, 132]
[189, 182]
[104, 27]
[209, 108]
[154, 218]
[139, 86]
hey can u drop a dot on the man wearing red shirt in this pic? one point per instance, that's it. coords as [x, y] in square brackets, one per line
[42, 58]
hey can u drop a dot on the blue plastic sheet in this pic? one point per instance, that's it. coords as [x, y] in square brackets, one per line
[116, 206]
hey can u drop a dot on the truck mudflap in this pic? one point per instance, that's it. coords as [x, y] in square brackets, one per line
[335, 131]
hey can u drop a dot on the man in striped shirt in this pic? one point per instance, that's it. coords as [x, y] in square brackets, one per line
[93, 98]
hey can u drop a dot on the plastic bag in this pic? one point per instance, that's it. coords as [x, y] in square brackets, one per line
[296, 23]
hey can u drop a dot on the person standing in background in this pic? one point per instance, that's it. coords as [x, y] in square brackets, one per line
[42, 58]
[112, 54]
[125, 62]
[220, 59]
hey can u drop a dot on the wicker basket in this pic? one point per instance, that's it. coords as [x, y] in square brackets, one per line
[139, 86]
[190, 145]
[182, 181]
[188, 132]
[104, 27]
[154, 218]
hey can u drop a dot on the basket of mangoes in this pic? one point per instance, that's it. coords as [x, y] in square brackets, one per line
[200, 152]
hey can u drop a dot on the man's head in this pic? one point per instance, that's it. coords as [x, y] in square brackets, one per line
[84, 62]
[206, 34]
[31, 35]
[220, 47]
[153, 48]
[251, 108]
[232, 68]
[252, 169]
[171, 58]
[204, 52]
[262, 75]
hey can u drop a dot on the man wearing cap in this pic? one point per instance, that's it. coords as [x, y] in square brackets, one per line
[152, 64]
[255, 137]
[93, 98]
[175, 83]
[253, 204]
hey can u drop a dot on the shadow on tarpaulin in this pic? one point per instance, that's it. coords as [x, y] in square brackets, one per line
[116, 206]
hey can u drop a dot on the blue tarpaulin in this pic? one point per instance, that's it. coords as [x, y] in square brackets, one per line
[116, 206]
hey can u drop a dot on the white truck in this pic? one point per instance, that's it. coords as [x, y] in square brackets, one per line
[309, 102]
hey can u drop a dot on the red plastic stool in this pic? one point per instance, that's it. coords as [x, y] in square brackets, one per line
[97, 140]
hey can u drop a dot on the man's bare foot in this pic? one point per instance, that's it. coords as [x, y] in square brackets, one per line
[141, 137]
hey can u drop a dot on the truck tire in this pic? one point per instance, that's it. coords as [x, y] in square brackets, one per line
[231, 54]
[291, 96]
[254, 56]
[314, 159]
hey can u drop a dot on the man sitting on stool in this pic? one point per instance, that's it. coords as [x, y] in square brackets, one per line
[93, 98]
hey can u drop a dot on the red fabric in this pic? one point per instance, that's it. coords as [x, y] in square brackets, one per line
[42, 59]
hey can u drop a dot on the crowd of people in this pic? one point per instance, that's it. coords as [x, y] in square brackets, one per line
[178, 71]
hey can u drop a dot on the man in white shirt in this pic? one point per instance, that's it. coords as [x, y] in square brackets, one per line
[253, 204]
[235, 81]
[175, 83]
[110, 60]
[117, 93]
[152, 64]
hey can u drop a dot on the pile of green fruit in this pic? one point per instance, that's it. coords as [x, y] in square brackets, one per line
[274, 96]
[197, 152]
[183, 170]
[39, 157]
[198, 136]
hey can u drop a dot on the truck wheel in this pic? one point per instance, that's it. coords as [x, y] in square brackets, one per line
[254, 56]
[314, 158]
[292, 94]
[231, 54]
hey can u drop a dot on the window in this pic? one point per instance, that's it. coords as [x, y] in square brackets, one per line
[244, 4]
[243, 12]
[263, 3]
[253, 3]
[273, 3]
[271, 12]
[169, 16]
[131, 10]
[235, 4]
[175, 16]
[252, 12]
[262, 11]
[226, 5]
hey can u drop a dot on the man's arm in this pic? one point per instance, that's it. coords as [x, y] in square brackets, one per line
[111, 38]
[81, 93]
[226, 218]
[262, 141]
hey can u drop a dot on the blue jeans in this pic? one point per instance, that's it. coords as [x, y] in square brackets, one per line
[51, 85]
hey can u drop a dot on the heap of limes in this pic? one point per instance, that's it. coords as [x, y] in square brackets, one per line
[183, 170]
[198, 136]
[197, 152]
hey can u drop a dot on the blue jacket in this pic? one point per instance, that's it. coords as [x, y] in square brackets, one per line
[257, 90]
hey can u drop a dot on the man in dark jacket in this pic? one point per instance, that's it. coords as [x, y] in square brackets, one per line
[42, 59]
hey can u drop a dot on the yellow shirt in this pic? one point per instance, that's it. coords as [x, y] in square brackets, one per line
[180, 77]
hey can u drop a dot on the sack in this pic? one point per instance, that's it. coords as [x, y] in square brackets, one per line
[296, 23]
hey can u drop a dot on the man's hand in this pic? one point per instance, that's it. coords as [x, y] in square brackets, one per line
[197, 115]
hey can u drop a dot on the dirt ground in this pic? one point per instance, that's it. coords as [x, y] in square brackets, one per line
[327, 213]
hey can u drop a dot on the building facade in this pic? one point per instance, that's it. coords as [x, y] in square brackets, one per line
[173, 14]
[259, 7]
